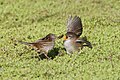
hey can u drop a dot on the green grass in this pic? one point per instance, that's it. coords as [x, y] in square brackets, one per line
[29, 20]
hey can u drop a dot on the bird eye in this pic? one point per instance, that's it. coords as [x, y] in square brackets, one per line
[66, 36]
[70, 35]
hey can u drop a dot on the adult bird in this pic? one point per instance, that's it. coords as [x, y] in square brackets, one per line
[43, 45]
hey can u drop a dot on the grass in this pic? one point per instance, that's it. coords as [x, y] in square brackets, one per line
[29, 20]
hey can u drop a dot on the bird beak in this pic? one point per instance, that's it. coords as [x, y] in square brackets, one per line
[60, 36]
[64, 37]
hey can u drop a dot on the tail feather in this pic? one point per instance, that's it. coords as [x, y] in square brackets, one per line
[84, 40]
[26, 43]
[88, 44]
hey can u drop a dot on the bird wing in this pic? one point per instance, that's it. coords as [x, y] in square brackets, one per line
[45, 39]
[35, 45]
[74, 25]
[84, 40]
[42, 39]
[40, 46]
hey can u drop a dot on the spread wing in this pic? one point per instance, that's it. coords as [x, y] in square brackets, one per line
[74, 25]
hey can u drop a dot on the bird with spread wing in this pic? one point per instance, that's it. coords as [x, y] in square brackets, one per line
[72, 42]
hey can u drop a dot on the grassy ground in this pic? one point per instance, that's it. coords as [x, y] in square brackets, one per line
[29, 20]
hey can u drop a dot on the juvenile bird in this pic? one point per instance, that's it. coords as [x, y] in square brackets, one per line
[72, 42]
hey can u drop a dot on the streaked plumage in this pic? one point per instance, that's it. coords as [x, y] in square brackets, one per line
[43, 45]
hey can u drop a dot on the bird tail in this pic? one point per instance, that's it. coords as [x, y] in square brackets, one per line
[84, 40]
[87, 43]
[26, 43]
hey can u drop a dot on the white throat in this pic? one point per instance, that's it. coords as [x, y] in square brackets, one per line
[70, 48]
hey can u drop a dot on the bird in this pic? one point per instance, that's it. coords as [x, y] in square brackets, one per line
[43, 45]
[73, 43]
[72, 40]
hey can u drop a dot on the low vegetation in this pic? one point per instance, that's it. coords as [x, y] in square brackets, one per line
[29, 20]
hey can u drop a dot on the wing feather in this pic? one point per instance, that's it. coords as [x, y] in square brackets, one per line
[74, 25]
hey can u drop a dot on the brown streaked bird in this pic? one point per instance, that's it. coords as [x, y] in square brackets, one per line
[43, 45]
[72, 42]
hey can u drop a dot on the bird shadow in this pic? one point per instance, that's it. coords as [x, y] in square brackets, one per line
[51, 54]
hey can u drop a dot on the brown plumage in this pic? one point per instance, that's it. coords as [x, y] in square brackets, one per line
[43, 45]
[74, 25]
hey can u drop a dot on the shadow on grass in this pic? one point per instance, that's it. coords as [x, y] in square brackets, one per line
[52, 54]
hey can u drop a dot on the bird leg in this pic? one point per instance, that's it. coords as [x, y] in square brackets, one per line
[46, 56]
[43, 52]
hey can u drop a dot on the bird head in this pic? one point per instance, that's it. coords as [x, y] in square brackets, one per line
[50, 37]
[70, 36]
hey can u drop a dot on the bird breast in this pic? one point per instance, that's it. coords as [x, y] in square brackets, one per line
[49, 46]
[69, 46]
